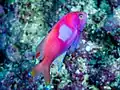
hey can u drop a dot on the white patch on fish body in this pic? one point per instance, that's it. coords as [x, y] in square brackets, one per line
[64, 33]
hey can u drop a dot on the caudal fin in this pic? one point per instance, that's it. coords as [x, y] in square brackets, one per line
[44, 69]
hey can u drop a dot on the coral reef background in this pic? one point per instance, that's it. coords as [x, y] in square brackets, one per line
[95, 65]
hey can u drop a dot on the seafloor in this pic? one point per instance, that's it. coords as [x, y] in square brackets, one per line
[95, 65]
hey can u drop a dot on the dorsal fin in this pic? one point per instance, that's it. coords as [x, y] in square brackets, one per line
[40, 50]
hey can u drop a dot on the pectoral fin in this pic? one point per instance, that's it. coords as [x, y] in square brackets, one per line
[74, 45]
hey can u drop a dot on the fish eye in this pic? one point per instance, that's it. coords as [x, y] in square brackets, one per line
[81, 16]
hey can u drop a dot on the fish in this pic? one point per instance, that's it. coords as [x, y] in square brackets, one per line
[63, 36]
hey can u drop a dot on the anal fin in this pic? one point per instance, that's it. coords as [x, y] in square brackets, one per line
[59, 61]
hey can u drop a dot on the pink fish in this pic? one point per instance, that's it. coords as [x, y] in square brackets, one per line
[64, 35]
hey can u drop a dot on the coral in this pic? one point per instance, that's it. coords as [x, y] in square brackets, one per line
[95, 64]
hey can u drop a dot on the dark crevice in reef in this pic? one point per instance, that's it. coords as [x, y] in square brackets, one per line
[2, 56]
[98, 3]
[3, 3]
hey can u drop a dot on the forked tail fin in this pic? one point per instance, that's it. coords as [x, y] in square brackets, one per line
[44, 69]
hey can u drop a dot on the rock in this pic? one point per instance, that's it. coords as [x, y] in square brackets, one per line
[13, 53]
[2, 12]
